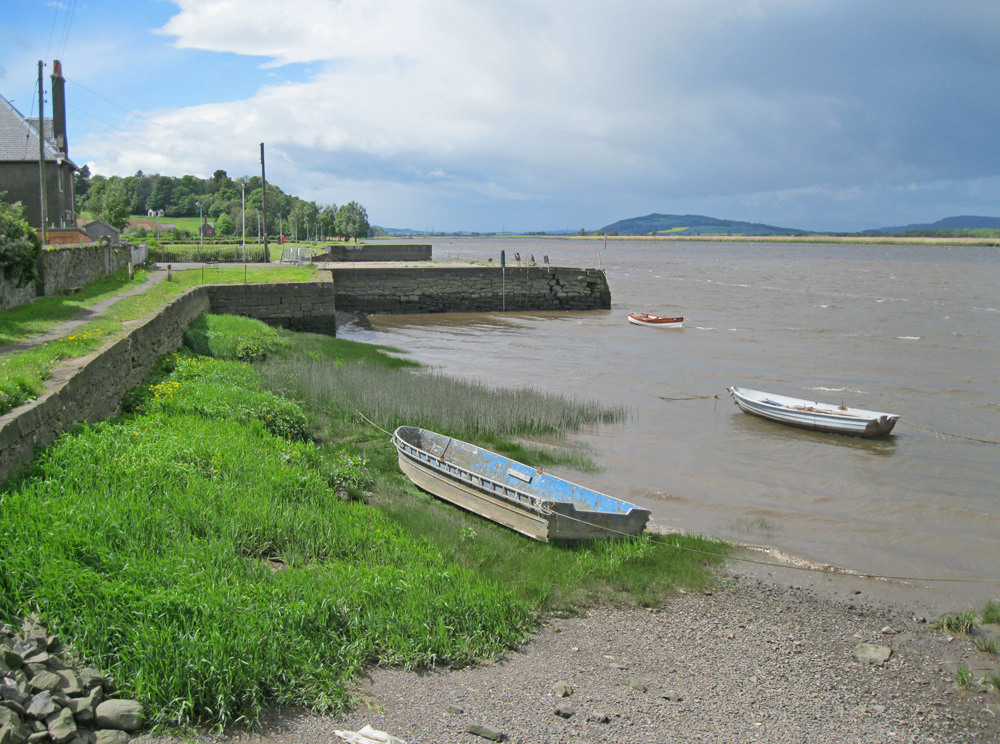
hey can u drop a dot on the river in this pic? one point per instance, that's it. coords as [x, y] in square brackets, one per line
[909, 329]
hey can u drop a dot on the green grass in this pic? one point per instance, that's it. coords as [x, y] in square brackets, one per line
[35, 318]
[991, 612]
[23, 374]
[963, 676]
[220, 548]
[956, 622]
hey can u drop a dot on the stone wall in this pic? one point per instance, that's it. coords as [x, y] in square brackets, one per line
[65, 269]
[433, 289]
[298, 306]
[91, 388]
[375, 252]
[70, 268]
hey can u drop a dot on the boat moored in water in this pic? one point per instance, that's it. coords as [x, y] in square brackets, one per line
[807, 414]
[528, 500]
[655, 321]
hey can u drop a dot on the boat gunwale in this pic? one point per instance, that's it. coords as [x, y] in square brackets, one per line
[533, 502]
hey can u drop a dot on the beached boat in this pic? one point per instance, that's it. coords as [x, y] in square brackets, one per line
[808, 414]
[655, 321]
[510, 493]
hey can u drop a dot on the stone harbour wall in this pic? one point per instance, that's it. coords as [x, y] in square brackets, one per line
[430, 289]
[297, 306]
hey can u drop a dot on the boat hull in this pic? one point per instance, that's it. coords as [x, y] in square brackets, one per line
[535, 504]
[805, 414]
[655, 321]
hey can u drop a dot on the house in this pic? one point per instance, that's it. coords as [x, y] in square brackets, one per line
[207, 230]
[20, 172]
[98, 229]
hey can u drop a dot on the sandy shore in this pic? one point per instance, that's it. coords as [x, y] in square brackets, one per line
[755, 660]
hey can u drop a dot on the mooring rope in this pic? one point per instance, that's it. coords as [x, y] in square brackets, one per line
[946, 434]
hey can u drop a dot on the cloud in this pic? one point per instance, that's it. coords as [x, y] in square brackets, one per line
[581, 105]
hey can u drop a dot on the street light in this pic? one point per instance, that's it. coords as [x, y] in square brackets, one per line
[243, 209]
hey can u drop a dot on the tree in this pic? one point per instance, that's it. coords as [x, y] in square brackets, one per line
[224, 225]
[351, 221]
[115, 208]
[20, 247]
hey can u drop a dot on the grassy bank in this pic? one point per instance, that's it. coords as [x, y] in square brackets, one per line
[23, 373]
[221, 547]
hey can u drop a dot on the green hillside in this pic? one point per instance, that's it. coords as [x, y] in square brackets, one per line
[692, 224]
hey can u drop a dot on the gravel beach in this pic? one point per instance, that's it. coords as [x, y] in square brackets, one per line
[755, 660]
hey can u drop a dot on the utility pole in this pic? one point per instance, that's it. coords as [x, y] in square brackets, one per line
[243, 210]
[41, 154]
[263, 201]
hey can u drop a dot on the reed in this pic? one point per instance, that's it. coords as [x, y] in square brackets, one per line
[436, 401]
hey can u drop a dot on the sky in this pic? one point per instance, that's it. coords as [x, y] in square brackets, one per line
[538, 115]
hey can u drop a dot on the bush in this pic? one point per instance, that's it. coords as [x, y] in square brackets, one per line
[20, 247]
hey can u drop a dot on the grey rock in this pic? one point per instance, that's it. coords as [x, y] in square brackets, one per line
[84, 709]
[87, 737]
[672, 696]
[92, 678]
[485, 732]
[455, 710]
[11, 694]
[42, 705]
[38, 736]
[562, 688]
[61, 725]
[124, 715]
[599, 718]
[871, 653]
[45, 680]
[69, 683]
[9, 717]
[111, 736]
[636, 684]
[13, 734]
[565, 711]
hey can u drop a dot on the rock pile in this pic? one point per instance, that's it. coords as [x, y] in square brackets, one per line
[45, 698]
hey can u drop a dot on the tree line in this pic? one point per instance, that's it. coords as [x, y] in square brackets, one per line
[220, 200]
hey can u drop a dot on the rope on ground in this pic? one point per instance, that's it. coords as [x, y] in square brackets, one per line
[946, 434]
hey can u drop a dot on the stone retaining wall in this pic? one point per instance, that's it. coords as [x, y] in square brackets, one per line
[375, 252]
[63, 270]
[91, 388]
[432, 289]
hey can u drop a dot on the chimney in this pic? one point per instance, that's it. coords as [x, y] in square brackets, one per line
[59, 107]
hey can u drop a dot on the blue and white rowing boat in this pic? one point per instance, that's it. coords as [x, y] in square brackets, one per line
[807, 414]
[528, 500]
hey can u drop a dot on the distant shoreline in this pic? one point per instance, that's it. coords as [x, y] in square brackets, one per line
[845, 239]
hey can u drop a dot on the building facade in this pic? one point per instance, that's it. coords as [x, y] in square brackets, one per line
[20, 156]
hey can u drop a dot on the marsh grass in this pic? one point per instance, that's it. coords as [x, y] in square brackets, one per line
[963, 676]
[991, 612]
[956, 622]
[494, 417]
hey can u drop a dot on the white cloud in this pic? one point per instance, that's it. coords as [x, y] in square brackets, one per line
[578, 105]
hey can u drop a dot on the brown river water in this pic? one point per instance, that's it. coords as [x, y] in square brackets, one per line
[912, 330]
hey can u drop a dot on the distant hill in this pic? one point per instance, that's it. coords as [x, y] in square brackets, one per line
[948, 223]
[693, 224]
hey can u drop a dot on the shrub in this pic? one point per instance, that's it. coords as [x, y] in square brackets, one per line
[20, 247]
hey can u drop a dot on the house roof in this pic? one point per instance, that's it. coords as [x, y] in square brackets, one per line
[19, 137]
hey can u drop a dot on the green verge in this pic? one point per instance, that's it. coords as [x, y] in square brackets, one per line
[23, 373]
[222, 548]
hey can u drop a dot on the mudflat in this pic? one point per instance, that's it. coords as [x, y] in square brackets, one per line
[755, 660]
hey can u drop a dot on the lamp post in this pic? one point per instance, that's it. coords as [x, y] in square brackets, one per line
[201, 231]
[243, 211]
